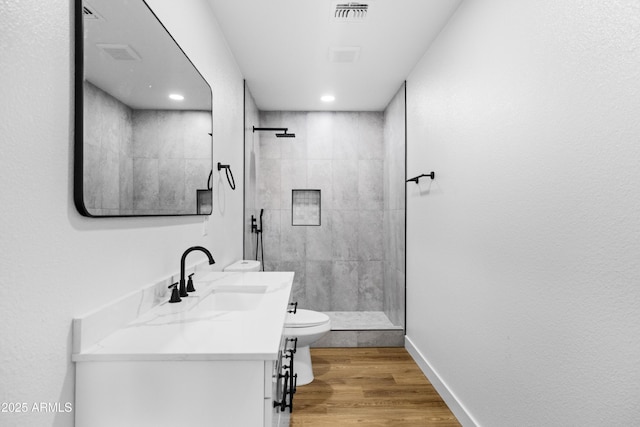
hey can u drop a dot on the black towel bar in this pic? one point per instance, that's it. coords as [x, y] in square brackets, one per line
[415, 179]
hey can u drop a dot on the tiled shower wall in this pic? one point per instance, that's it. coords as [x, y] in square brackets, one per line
[339, 264]
[142, 162]
[394, 209]
[107, 156]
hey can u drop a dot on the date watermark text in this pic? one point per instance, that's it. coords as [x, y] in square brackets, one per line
[31, 407]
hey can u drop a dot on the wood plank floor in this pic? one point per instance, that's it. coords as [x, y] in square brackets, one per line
[368, 387]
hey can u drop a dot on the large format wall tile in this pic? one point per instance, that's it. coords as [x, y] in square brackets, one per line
[293, 173]
[370, 187]
[172, 183]
[320, 135]
[197, 141]
[292, 239]
[111, 179]
[92, 176]
[319, 177]
[146, 188]
[320, 240]
[293, 148]
[371, 136]
[269, 144]
[319, 279]
[126, 184]
[196, 177]
[269, 178]
[370, 286]
[145, 144]
[345, 184]
[342, 264]
[344, 292]
[346, 136]
[107, 140]
[299, 289]
[345, 234]
[271, 226]
[370, 232]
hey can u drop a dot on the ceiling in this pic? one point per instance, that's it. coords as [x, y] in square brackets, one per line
[283, 49]
[148, 65]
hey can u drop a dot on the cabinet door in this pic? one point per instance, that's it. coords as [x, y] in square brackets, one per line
[170, 393]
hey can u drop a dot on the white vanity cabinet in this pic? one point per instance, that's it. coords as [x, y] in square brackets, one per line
[177, 393]
[190, 365]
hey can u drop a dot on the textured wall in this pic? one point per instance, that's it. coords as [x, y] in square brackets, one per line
[339, 264]
[523, 254]
[56, 264]
[394, 208]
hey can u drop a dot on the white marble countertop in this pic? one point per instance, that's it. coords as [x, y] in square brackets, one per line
[213, 323]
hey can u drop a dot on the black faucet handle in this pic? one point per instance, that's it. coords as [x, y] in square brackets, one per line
[190, 287]
[295, 307]
[175, 294]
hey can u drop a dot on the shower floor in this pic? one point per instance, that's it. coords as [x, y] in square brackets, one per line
[361, 329]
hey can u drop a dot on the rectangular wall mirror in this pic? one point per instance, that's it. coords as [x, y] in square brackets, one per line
[143, 118]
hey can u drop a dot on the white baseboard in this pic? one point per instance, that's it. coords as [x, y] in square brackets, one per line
[450, 399]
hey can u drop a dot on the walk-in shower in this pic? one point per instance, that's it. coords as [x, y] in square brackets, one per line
[332, 209]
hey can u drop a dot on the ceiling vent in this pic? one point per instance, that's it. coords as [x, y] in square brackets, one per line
[344, 54]
[119, 52]
[350, 12]
[88, 12]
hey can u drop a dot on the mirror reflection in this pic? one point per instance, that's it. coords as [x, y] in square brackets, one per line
[146, 117]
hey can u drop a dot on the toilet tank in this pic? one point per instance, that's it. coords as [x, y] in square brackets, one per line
[243, 266]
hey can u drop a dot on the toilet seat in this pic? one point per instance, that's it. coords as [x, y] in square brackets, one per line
[305, 318]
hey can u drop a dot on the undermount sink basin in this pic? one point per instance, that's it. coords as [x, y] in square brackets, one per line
[234, 298]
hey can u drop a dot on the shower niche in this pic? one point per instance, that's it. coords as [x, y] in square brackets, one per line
[305, 207]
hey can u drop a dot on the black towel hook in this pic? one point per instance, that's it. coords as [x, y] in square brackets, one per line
[230, 180]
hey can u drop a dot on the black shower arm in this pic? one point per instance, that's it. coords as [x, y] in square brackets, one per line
[270, 129]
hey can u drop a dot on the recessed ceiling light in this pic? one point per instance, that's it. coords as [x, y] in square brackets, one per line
[176, 97]
[327, 98]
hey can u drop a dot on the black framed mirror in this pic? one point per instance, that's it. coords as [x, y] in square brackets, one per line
[143, 119]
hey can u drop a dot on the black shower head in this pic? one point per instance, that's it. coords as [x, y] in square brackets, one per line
[285, 135]
[284, 132]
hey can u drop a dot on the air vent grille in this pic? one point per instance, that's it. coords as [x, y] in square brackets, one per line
[88, 12]
[350, 12]
[119, 52]
[344, 54]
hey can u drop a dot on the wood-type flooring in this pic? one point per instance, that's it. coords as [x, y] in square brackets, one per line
[368, 387]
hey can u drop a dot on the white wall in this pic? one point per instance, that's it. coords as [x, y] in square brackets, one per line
[523, 254]
[56, 264]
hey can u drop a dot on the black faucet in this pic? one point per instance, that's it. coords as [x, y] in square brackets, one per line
[183, 288]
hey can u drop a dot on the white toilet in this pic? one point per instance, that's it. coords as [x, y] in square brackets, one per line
[308, 326]
[244, 265]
